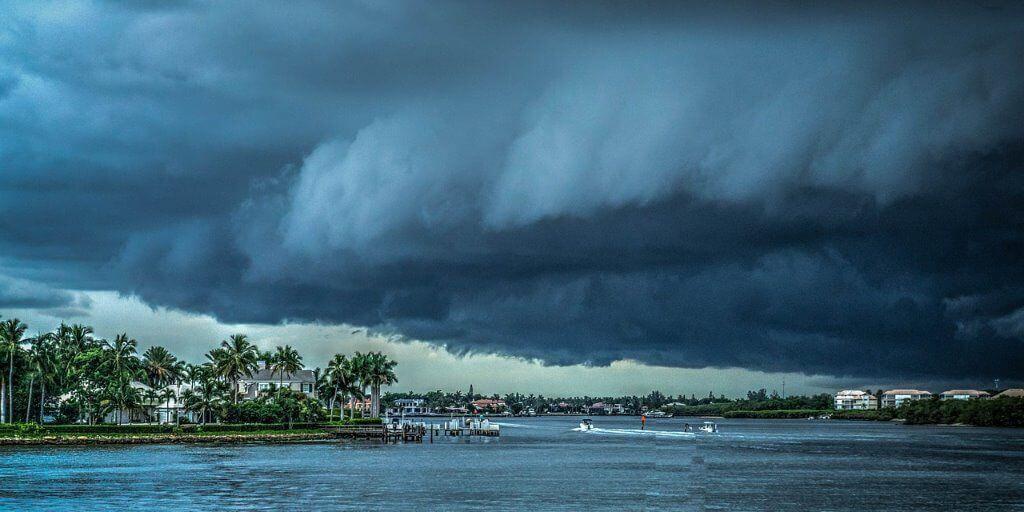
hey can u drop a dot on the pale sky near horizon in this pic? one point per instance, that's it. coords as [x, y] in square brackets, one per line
[422, 367]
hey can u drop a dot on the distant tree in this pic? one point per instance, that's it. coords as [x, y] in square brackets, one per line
[12, 331]
[237, 358]
[161, 367]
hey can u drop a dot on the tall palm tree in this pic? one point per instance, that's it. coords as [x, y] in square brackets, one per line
[161, 367]
[341, 378]
[380, 372]
[167, 395]
[120, 361]
[359, 366]
[44, 358]
[152, 399]
[238, 358]
[191, 373]
[286, 359]
[72, 340]
[12, 331]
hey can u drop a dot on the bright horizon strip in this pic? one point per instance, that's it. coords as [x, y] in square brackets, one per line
[422, 366]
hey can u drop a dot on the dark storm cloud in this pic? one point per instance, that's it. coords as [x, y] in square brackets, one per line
[826, 190]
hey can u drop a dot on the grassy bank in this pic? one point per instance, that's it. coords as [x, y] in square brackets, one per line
[264, 436]
[22, 434]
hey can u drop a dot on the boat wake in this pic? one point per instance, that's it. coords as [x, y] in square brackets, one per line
[635, 432]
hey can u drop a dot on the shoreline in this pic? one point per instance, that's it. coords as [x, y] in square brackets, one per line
[239, 438]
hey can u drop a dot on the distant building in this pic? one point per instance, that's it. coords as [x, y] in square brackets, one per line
[491, 406]
[1011, 393]
[562, 407]
[896, 397]
[600, 408]
[363, 406]
[855, 399]
[963, 394]
[409, 407]
[264, 379]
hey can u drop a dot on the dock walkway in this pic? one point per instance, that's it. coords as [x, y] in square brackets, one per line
[414, 432]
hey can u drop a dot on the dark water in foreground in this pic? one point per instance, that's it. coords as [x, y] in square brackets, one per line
[543, 464]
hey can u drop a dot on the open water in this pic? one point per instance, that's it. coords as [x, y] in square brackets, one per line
[547, 464]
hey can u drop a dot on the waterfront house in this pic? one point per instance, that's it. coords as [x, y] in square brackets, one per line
[264, 379]
[896, 397]
[601, 408]
[963, 394]
[855, 399]
[561, 407]
[1011, 393]
[409, 407]
[362, 406]
[490, 406]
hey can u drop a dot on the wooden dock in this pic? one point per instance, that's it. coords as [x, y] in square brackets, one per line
[412, 432]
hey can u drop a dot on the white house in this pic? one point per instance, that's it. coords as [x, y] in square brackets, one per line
[603, 408]
[855, 399]
[963, 394]
[896, 397]
[264, 379]
[409, 407]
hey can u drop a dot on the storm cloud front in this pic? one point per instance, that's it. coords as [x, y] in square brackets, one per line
[833, 190]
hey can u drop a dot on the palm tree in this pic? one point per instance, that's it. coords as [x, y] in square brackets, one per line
[161, 367]
[204, 397]
[12, 331]
[191, 372]
[166, 396]
[120, 362]
[359, 366]
[238, 358]
[380, 372]
[71, 341]
[45, 364]
[121, 396]
[152, 399]
[341, 378]
[286, 359]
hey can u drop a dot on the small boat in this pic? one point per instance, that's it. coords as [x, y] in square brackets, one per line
[659, 414]
[708, 427]
[586, 424]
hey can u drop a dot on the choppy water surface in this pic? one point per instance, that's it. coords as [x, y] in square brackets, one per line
[543, 463]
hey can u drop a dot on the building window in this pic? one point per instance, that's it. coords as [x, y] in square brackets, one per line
[263, 386]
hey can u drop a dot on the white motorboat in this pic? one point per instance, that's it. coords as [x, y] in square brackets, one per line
[708, 427]
[586, 424]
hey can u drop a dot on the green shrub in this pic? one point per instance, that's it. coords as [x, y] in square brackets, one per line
[995, 412]
[865, 414]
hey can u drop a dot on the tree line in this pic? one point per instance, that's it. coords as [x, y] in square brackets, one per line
[76, 375]
[633, 404]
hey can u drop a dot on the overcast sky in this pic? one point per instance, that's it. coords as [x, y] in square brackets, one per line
[567, 198]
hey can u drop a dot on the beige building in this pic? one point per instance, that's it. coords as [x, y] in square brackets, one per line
[896, 397]
[1012, 393]
[855, 399]
[963, 394]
